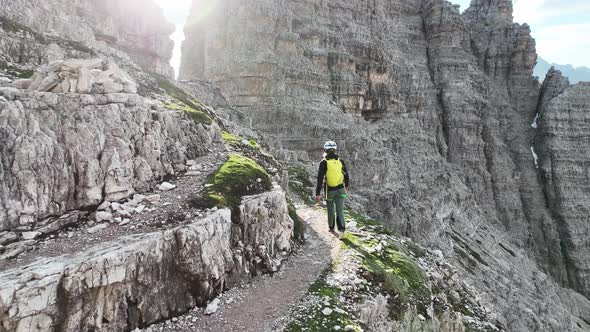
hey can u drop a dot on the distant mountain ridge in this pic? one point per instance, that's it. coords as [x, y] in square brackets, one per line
[575, 74]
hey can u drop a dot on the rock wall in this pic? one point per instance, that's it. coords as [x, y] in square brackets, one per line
[432, 110]
[489, 100]
[24, 50]
[563, 148]
[60, 152]
[139, 280]
[135, 27]
[79, 76]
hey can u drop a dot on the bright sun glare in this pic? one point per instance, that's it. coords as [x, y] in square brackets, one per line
[179, 13]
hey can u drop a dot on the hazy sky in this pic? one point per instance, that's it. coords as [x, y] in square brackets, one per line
[560, 27]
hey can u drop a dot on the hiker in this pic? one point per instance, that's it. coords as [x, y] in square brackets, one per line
[335, 186]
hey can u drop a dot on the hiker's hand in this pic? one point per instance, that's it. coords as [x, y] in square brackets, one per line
[318, 199]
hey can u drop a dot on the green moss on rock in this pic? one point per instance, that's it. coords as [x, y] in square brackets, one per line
[390, 268]
[197, 115]
[230, 138]
[239, 142]
[253, 144]
[183, 101]
[363, 221]
[14, 71]
[237, 177]
[176, 92]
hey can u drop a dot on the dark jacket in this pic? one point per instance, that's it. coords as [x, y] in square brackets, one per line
[322, 174]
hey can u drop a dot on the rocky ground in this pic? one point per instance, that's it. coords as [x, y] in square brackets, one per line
[156, 255]
[267, 300]
[332, 285]
[162, 209]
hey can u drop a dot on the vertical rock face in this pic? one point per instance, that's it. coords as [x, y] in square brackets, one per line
[432, 109]
[135, 27]
[489, 100]
[563, 146]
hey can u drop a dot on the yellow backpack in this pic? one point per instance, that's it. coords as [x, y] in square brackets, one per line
[334, 172]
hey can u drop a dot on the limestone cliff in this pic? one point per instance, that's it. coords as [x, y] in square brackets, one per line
[63, 152]
[433, 110]
[104, 168]
[562, 145]
[137, 28]
[88, 239]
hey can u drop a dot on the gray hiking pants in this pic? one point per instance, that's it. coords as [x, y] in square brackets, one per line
[335, 201]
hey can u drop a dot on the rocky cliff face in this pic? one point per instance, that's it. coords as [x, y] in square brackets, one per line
[76, 144]
[88, 129]
[63, 152]
[137, 28]
[433, 111]
[563, 146]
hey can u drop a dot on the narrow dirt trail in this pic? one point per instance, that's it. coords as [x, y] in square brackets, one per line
[255, 307]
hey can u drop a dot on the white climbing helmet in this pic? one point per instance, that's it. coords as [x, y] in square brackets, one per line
[330, 145]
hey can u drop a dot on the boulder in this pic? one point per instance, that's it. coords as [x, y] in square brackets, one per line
[80, 75]
[48, 83]
[166, 186]
[30, 235]
[22, 83]
[103, 216]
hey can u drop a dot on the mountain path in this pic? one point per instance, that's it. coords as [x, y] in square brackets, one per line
[262, 304]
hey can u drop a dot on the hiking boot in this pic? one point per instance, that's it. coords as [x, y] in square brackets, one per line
[342, 235]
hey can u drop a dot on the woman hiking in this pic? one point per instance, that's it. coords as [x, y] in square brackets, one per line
[333, 171]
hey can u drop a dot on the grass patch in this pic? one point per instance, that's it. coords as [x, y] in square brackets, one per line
[321, 288]
[197, 115]
[363, 221]
[314, 320]
[238, 141]
[183, 101]
[253, 144]
[237, 177]
[14, 71]
[391, 268]
[78, 46]
[177, 93]
[230, 139]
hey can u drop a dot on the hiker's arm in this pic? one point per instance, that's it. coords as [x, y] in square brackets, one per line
[346, 178]
[321, 174]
